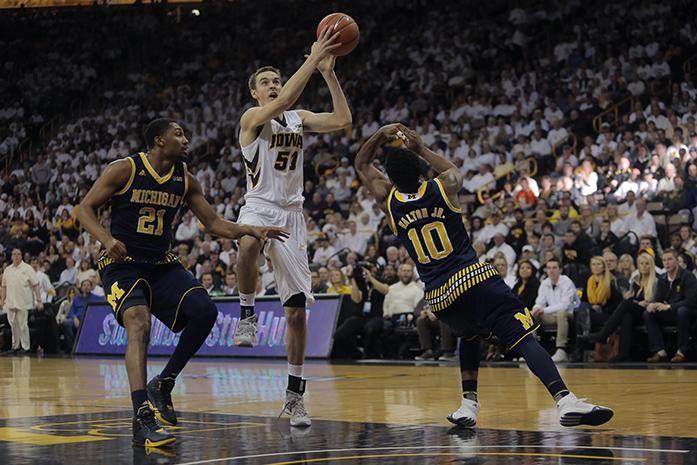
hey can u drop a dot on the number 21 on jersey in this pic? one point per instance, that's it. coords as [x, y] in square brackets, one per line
[426, 234]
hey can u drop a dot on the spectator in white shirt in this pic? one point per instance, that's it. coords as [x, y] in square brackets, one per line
[587, 179]
[323, 251]
[554, 306]
[667, 184]
[488, 232]
[557, 134]
[478, 180]
[20, 293]
[188, 229]
[500, 246]
[46, 290]
[403, 296]
[354, 240]
[641, 222]
[69, 274]
[540, 146]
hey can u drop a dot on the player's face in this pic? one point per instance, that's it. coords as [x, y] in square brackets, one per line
[175, 142]
[268, 87]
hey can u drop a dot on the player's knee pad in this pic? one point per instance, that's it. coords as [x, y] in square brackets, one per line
[296, 301]
[197, 305]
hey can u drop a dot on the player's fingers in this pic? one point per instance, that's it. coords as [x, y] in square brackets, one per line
[334, 37]
[327, 31]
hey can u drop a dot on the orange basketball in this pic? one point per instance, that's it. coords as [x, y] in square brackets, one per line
[349, 35]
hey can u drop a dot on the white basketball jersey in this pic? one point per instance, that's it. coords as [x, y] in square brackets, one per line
[274, 163]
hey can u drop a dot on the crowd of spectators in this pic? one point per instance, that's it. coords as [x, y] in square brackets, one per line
[510, 99]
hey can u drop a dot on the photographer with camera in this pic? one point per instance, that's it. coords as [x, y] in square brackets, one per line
[367, 294]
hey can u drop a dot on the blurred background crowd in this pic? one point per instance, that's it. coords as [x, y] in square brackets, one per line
[573, 123]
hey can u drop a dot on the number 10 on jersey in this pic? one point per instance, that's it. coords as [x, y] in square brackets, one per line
[426, 236]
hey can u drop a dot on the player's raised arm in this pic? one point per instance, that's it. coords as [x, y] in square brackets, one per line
[370, 176]
[340, 117]
[287, 94]
[220, 227]
[112, 181]
[449, 174]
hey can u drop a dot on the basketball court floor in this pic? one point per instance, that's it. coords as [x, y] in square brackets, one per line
[77, 411]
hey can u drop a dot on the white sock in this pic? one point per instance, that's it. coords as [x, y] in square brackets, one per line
[247, 299]
[295, 370]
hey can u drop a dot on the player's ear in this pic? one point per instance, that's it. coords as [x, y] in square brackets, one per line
[254, 94]
[160, 141]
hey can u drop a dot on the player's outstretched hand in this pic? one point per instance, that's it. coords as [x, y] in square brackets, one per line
[116, 250]
[326, 42]
[264, 233]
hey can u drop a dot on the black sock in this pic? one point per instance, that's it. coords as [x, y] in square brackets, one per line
[246, 311]
[138, 398]
[542, 366]
[469, 389]
[296, 384]
[200, 313]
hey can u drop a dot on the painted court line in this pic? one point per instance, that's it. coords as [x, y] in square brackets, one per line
[366, 449]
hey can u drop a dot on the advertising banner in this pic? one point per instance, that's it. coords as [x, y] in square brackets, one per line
[101, 334]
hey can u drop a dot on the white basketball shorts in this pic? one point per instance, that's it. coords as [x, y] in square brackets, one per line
[289, 258]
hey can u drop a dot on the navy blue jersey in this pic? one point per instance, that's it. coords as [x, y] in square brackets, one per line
[143, 211]
[433, 232]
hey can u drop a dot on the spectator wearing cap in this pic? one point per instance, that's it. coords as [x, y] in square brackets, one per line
[676, 305]
[554, 306]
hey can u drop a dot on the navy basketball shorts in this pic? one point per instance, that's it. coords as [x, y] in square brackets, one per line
[491, 306]
[161, 288]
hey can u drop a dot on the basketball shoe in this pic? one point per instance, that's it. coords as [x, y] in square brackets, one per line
[466, 415]
[574, 411]
[160, 399]
[147, 432]
[246, 332]
[295, 407]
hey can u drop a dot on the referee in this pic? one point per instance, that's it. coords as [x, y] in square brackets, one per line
[20, 290]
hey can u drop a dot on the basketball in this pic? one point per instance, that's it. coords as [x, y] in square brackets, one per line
[349, 35]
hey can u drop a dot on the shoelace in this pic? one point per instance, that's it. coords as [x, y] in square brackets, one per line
[147, 418]
[246, 329]
[294, 405]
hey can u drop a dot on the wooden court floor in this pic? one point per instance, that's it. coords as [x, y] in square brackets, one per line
[77, 411]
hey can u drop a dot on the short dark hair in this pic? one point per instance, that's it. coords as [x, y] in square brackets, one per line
[555, 260]
[671, 251]
[403, 168]
[155, 128]
[252, 83]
